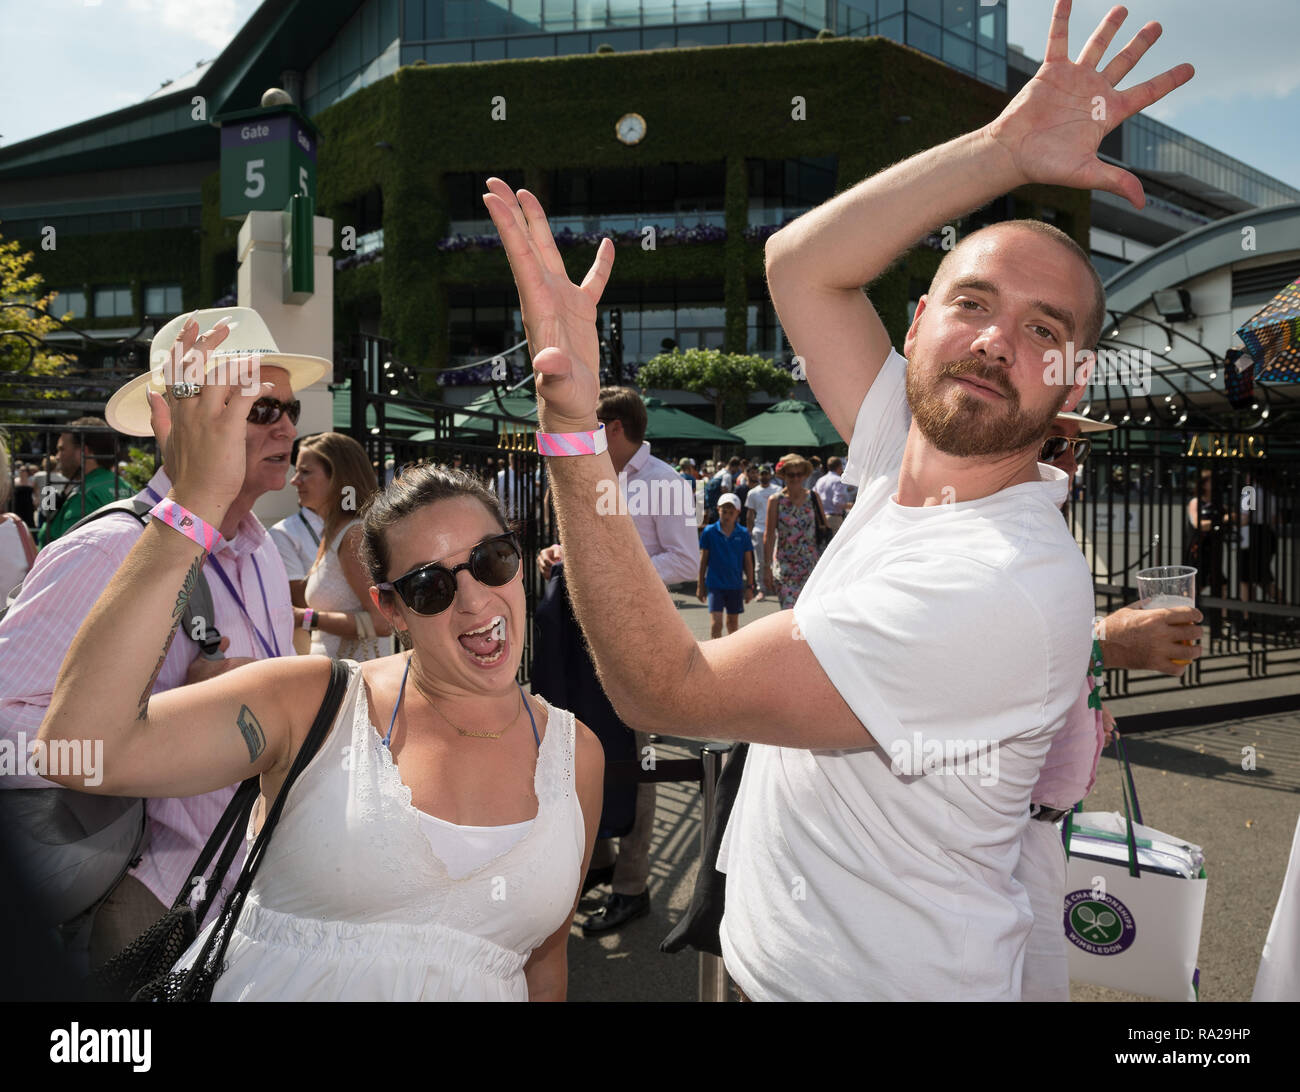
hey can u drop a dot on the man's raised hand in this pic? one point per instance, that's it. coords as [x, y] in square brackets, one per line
[1053, 127]
[559, 316]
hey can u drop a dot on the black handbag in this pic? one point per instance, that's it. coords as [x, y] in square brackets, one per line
[822, 530]
[143, 970]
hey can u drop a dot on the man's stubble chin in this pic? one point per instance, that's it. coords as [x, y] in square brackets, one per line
[964, 425]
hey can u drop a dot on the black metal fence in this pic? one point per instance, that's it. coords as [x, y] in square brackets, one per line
[1130, 511]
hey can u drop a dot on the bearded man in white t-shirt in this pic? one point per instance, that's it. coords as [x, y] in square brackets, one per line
[940, 642]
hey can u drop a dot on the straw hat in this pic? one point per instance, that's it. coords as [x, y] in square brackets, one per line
[1086, 424]
[128, 409]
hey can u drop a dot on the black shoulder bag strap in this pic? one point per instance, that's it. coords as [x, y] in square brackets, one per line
[230, 831]
[214, 949]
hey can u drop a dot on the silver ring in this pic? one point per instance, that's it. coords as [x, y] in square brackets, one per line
[184, 390]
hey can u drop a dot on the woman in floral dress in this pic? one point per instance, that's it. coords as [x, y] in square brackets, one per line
[790, 542]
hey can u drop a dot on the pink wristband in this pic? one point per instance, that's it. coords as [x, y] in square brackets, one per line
[187, 523]
[573, 443]
[308, 616]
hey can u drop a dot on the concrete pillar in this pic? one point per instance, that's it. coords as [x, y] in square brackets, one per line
[297, 328]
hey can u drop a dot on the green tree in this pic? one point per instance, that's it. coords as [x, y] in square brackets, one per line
[22, 328]
[727, 379]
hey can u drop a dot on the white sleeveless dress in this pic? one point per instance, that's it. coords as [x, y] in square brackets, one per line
[327, 588]
[352, 904]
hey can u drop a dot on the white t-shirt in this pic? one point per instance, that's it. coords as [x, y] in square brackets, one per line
[756, 499]
[937, 625]
[296, 543]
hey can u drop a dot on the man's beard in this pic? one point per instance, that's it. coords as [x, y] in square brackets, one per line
[970, 425]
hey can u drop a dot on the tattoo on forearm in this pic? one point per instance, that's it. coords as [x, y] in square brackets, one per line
[182, 598]
[251, 730]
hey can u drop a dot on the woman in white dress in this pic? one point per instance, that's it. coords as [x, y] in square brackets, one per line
[334, 478]
[435, 845]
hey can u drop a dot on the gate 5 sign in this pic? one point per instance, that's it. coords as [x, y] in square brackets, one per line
[267, 156]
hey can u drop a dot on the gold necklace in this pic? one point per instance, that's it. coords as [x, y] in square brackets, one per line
[462, 731]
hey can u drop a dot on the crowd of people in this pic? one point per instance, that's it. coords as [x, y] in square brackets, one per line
[436, 843]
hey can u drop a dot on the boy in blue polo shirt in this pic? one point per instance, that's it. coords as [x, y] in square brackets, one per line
[726, 566]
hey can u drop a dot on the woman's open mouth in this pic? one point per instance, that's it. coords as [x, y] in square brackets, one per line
[487, 645]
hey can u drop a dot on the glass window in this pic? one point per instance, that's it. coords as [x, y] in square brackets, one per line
[494, 18]
[370, 30]
[162, 299]
[528, 11]
[458, 19]
[558, 15]
[958, 52]
[349, 45]
[656, 11]
[926, 9]
[891, 28]
[540, 45]
[566, 44]
[692, 11]
[69, 299]
[740, 32]
[886, 8]
[388, 32]
[329, 65]
[622, 40]
[923, 36]
[435, 20]
[491, 49]
[706, 34]
[993, 28]
[449, 52]
[113, 302]
[666, 37]
[959, 17]
[412, 21]
[990, 67]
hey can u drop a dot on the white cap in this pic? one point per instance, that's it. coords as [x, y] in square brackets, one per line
[729, 498]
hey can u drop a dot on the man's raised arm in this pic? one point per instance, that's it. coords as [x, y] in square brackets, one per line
[818, 265]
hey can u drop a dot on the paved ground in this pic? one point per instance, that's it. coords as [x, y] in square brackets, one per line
[1190, 784]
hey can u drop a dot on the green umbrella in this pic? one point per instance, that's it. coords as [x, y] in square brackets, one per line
[397, 418]
[665, 422]
[791, 425]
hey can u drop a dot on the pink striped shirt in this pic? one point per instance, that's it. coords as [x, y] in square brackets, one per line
[66, 580]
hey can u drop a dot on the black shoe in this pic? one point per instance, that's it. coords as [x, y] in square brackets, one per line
[597, 876]
[617, 911]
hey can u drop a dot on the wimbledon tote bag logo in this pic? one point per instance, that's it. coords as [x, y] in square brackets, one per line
[1101, 926]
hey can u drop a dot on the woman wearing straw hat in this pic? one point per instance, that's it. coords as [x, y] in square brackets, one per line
[434, 845]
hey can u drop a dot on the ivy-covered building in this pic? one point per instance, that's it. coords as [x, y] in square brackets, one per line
[689, 131]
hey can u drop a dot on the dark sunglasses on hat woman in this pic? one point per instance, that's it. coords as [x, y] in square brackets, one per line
[431, 588]
[1056, 446]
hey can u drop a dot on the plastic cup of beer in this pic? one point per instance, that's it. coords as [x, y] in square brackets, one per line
[1168, 586]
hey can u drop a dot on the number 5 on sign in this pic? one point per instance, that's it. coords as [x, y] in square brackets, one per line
[253, 175]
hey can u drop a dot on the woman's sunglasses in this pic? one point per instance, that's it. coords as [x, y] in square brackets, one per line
[430, 589]
[1056, 446]
[266, 411]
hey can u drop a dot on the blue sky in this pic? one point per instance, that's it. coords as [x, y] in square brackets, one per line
[62, 61]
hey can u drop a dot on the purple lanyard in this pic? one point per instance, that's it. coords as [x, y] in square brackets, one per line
[270, 649]
[230, 587]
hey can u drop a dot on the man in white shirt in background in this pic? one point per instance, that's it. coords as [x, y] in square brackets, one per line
[756, 514]
[939, 642]
[833, 493]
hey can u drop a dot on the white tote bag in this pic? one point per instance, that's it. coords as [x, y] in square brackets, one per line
[1134, 901]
